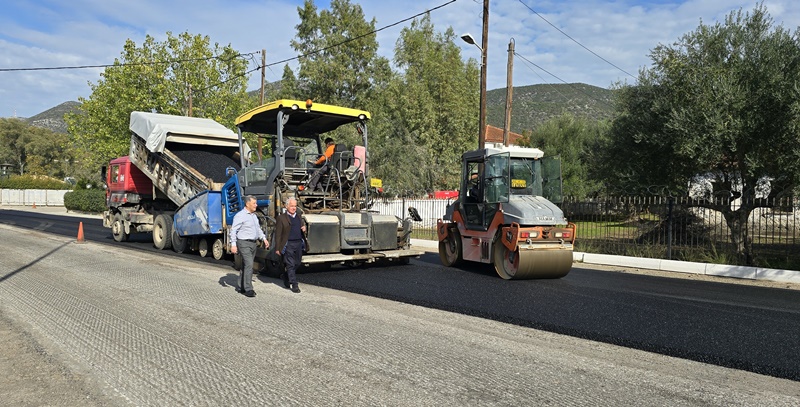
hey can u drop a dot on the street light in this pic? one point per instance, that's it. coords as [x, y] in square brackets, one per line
[467, 37]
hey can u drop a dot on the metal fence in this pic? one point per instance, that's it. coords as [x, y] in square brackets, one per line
[675, 228]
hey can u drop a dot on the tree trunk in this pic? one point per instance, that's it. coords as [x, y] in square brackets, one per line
[740, 234]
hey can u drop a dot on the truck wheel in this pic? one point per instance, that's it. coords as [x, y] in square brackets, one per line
[162, 232]
[118, 229]
[450, 249]
[202, 247]
[179, 244]
[218, 249]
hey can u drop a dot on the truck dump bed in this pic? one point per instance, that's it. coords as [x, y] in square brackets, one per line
[183, 156]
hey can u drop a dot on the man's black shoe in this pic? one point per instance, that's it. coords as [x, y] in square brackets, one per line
[240, 291]
[285, 279]
[250, 293]
[295, 289]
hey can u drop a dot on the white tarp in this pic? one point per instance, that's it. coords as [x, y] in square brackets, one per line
[156, 129]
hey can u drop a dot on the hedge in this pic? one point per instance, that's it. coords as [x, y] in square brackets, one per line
[32, 182]
[86, 200]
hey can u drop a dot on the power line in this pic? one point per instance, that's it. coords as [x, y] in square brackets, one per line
[342, 42]
[575, 41]
[239, 55]
[53, 68]
[362, 35]
[568, 84]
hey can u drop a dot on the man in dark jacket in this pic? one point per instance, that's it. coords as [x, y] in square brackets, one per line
[290, 241]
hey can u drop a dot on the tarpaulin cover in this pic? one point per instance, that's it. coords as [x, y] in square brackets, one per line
[156, 129]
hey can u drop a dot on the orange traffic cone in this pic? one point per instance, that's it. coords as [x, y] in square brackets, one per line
[80, 233]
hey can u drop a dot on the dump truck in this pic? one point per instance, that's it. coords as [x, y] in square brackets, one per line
[506, 215]
[171, 184]
[185, 179]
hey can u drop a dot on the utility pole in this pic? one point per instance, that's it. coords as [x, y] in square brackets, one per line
[261, 99]
[484, 45]
[263, 66]
[509, 91]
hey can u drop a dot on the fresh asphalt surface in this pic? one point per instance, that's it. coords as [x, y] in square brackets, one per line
[739, 326]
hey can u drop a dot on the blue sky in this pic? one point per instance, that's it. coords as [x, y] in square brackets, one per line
[54, 33]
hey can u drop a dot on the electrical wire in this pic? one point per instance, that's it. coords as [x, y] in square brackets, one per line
[362, 35]
[575, 41]
[124, 64]
[568, 84]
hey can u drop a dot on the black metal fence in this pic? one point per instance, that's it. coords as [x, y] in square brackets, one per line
[675, 228]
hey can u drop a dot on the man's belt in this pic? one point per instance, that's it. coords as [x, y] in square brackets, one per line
[249, 240]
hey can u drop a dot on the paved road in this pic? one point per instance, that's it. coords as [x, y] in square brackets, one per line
[744, 326]
[100, 328]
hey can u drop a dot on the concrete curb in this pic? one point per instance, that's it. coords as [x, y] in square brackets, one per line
[719, 270]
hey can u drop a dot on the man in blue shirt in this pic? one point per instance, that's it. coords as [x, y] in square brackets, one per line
[245, 234]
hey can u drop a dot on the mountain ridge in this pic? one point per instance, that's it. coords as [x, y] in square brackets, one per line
[532, 105]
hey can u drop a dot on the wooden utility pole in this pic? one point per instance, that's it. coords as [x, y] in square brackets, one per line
[484, 46]
[261, 99]
[263, 67]
[509, 91]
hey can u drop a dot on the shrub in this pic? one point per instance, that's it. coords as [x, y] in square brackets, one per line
[32, 182]
[85, 200]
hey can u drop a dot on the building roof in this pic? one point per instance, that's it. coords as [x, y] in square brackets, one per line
[495, 135]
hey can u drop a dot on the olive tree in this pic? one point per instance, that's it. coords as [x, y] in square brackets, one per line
[722, 104]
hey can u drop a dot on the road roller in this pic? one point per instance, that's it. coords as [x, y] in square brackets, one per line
[506, 215]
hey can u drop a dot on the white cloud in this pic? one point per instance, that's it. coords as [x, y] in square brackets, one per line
[92, 32]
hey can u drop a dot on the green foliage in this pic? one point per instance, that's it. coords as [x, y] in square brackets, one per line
[85, 200]
[159, 77]
[35, 150]
[339, 62]
[32, 182]
[428, 114]
[533, 105]
[575, 140]
[88, 183]
[721, 103]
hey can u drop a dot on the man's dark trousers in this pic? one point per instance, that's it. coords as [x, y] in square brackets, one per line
[292, 257]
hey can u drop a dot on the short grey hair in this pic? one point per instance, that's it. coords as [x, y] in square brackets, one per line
[289, 199]
[249, 198]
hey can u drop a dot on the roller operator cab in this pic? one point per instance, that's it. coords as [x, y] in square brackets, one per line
[341, 228]
[506, 215]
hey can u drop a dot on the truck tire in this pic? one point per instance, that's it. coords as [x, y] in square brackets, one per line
[202, 247]
[162, 232]
[118, 229]
[179, 244]
[218, 249]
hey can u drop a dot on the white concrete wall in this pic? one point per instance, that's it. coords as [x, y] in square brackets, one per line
[28, 197]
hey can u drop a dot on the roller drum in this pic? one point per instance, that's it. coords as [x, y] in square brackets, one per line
[531, 263]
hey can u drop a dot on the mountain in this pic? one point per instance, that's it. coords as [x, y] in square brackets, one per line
[53, 118]
[531, 106]
[535, 104]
